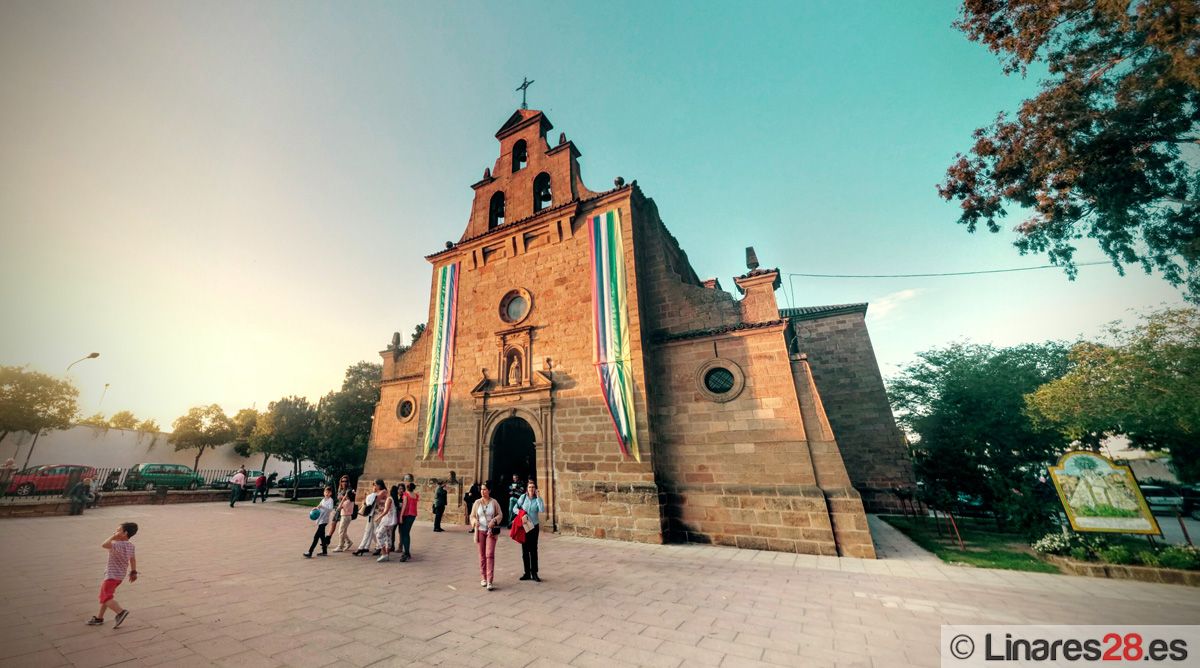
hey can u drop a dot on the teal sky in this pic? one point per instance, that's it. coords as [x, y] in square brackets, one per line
[231, 201]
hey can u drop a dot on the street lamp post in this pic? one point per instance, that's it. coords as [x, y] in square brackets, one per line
[89, 356]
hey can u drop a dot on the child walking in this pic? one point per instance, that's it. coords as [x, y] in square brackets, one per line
[324, 512]
[120, 560]
[347, 510]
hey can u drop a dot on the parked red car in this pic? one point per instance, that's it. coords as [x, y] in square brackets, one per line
[47, 478]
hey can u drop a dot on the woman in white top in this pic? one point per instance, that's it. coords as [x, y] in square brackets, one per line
[385, 519]
[485, 520]
[368, 513]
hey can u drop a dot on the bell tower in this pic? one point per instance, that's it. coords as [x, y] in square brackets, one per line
[529, 176]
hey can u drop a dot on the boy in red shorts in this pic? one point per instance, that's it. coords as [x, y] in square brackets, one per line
[120, 560]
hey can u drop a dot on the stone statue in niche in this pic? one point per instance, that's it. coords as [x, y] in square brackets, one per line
[514, 370]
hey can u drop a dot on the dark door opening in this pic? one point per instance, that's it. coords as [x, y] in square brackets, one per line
[513, 453]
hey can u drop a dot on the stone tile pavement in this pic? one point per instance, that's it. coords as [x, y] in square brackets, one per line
[227, 587]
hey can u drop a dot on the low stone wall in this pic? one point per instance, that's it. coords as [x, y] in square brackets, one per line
[1120, 572]
[61, 506]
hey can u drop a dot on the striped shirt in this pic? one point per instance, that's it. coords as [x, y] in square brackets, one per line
[118, 560]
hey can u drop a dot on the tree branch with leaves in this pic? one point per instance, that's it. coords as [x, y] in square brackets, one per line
[1107, 150]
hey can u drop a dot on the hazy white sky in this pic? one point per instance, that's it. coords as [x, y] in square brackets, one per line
[231, 201]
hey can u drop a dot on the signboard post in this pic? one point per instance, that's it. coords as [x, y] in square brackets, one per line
[1099, 495]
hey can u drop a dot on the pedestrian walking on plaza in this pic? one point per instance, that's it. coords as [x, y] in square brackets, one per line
[368, 512]
[338, 497]
[236, 484]
[486, 515]
[120, 559]
[439, 505]
[260, 488]
[385, 518]
[471, 497]
[408, 516]
[531, 502]
[324, 511]
[349, 512]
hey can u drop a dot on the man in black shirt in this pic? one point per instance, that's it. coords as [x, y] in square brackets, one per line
[439, 505]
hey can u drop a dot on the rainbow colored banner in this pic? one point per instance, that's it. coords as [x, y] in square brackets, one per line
[610, 321]
[441, 358]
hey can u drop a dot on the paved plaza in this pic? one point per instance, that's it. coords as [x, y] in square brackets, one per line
[228, 587]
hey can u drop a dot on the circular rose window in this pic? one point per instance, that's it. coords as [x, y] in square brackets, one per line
[515, 305]
[720, 380]
[406, 408]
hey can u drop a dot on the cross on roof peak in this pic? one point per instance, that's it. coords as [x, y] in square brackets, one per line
[524, 87]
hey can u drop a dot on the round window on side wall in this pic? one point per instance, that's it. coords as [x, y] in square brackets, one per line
[406, 408]
[720, 380]
[515, 306]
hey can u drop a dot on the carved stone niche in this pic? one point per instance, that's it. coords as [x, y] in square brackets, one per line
[514, 352]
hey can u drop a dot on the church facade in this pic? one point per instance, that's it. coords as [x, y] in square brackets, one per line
[571, 342]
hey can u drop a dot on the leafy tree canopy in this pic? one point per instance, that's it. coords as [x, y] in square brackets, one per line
[1109, 148]
[32, 401]
[123, 420]
[202, 427]
[286, 430]
[243, 428]
[965, 406]
[149, 426]
[95, 420]
[344, 421]
[1143, 382]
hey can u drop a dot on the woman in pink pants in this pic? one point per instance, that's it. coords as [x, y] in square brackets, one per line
[485, 520]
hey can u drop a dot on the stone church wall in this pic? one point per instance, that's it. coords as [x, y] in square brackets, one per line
[847, 375]
[593, 490]
[741, 471]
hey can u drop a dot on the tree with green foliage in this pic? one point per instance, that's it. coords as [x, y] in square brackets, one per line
[243, 427]
[95, 420]
[202, 427]
[344, 421]
[287, 430]
[965, 407]
[123, 420]
[34, 402]
[148, 425]
[1108, 148]
[1143, 383]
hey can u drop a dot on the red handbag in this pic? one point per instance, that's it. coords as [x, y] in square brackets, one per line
[517, 532]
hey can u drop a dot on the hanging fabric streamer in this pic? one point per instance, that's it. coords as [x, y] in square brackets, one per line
[441, 359]
[610, 321]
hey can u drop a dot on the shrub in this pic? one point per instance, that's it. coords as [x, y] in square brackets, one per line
[1179, 556]
[1148, 557]
[1118, 554]
[1077, 545]
[1054, 543]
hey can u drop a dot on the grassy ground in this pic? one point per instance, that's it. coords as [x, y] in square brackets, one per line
[985, 546]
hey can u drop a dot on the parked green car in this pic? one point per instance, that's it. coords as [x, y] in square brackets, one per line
[171, 476]
[308, 480]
